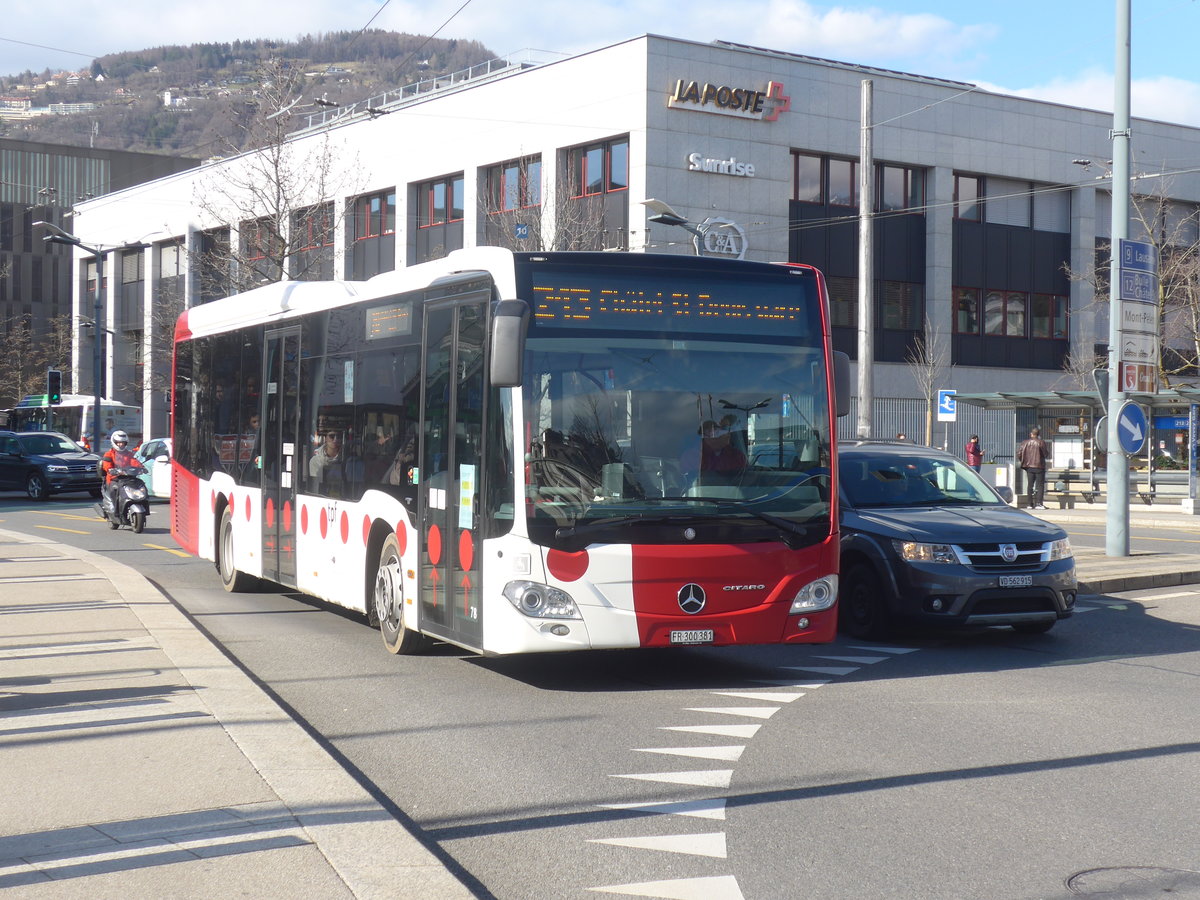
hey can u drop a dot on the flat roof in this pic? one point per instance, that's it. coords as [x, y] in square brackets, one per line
[1089, 399]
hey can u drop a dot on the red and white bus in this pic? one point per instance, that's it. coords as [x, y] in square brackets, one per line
[522, 452]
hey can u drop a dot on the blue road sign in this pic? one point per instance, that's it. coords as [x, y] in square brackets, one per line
[1131, 428]
[1138, 256]
[947, 406]
[521, 231]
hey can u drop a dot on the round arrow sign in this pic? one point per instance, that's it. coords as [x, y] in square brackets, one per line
[1131, 428]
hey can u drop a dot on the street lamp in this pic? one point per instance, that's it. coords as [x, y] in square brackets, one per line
[664, 215]
[58, 236]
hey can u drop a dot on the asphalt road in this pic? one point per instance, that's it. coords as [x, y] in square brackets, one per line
[982, 765]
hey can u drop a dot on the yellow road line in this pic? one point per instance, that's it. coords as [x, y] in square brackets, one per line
[182, 553]
[56, 528]
[43, 512]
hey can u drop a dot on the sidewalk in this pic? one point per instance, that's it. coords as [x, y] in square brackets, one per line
[1102, 574]
[141, 762]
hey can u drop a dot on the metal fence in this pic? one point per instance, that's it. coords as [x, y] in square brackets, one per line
[905, 415]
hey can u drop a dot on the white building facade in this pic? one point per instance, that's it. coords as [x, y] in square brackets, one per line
[987, 211]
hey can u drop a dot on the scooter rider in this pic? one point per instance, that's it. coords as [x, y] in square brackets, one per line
[118, 457]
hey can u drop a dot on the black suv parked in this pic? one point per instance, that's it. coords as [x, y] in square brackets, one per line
[42, 463]
[926, 540]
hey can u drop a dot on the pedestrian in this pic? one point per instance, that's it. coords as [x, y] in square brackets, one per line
[974, 452]
[1032, 456]
[900, 436]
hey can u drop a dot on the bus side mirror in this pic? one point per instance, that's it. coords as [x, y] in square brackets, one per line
[841, 382]
[510, 324]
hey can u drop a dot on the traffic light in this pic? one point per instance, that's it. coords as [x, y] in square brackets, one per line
[54, 386]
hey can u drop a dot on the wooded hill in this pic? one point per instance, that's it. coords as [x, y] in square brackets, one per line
[187, 100]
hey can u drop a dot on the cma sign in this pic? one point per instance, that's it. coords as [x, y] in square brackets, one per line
[724, 100]
[732, 166]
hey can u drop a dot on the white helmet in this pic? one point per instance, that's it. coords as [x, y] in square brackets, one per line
[119, 437]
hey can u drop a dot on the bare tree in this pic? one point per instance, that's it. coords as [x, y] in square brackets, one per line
[277, 196]
[517, 216]
[26, 352]
[1079, 366]
[929, 361]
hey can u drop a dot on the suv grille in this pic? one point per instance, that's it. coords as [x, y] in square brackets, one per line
[988, 557]
[85, 468]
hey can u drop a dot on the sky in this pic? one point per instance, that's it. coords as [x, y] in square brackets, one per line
[1059, 50]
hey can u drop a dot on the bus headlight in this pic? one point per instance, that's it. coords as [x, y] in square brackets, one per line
[540, 601]
[816, 595]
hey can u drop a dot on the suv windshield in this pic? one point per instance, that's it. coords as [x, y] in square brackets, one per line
[47, 444]
[890, 479]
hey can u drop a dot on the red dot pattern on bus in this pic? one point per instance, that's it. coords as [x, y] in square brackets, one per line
[435, 544]
[567, 566]
[248, 509]
[270, 512]
[345, 527]
[287, 515]
[402, 537]
[324, 522]
[466, 550]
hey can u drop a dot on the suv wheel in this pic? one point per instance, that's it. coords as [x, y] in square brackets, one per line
[862, 605]
[36, 486]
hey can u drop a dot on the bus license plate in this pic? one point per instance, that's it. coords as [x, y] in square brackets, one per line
[1016, 580]
[698, 636]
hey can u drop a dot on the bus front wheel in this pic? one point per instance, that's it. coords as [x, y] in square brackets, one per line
[387, 598]
[231, 579]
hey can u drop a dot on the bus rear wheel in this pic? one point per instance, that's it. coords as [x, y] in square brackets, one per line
[387, 599]
[231, 579]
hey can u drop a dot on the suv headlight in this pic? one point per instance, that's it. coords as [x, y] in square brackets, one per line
[1060, 549]
[815, 596]
[540, 601]
[56, 469]
[915, 551]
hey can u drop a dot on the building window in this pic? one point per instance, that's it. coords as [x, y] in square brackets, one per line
[600, 168]
[261, 253]
[1049, 318]
[514, 185]
[439, 202]
[899, 188]
[843, 182]
[1004, 313]
[966, 311]
[312, 242]
[372, 229]
[843, 302]
[807, 183]
[902, 305]
[968, 197]
[133, 281]
[214, 264]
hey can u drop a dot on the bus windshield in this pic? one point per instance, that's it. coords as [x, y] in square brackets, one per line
[717, 422]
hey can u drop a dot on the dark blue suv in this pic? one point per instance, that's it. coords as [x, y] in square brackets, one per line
[925, 540]
[42, 463]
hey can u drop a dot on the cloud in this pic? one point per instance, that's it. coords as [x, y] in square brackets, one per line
[1164, 99]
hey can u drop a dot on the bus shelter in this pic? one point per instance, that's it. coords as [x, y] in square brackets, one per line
[1069, 420]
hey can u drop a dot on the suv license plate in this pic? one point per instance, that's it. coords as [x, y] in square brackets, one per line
[699, 636]
[1016, 580]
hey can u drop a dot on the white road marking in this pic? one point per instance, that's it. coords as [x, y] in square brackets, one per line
[701, 777]
[754, 712]
[860, 660]
[874, 649]
[738, 731]
[718, 887]
[712, 844]
[778, 696]
[824, 670]
[697, 809]
[729, 753]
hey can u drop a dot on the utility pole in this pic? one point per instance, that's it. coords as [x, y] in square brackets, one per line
[866, 269]
[1117, 515]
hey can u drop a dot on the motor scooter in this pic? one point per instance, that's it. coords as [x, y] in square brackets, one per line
[126, 501]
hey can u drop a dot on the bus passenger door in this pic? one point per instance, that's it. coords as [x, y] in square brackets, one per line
[280, 454]
[451, 466]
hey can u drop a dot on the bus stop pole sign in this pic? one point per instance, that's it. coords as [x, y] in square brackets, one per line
[947, 406]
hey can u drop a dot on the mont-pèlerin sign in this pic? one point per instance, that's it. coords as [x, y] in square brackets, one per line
[744, 103]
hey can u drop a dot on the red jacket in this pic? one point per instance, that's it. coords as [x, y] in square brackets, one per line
[117, 459]
[974, 453]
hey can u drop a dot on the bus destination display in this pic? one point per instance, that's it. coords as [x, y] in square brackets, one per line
[720, 306]
[392, 320]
